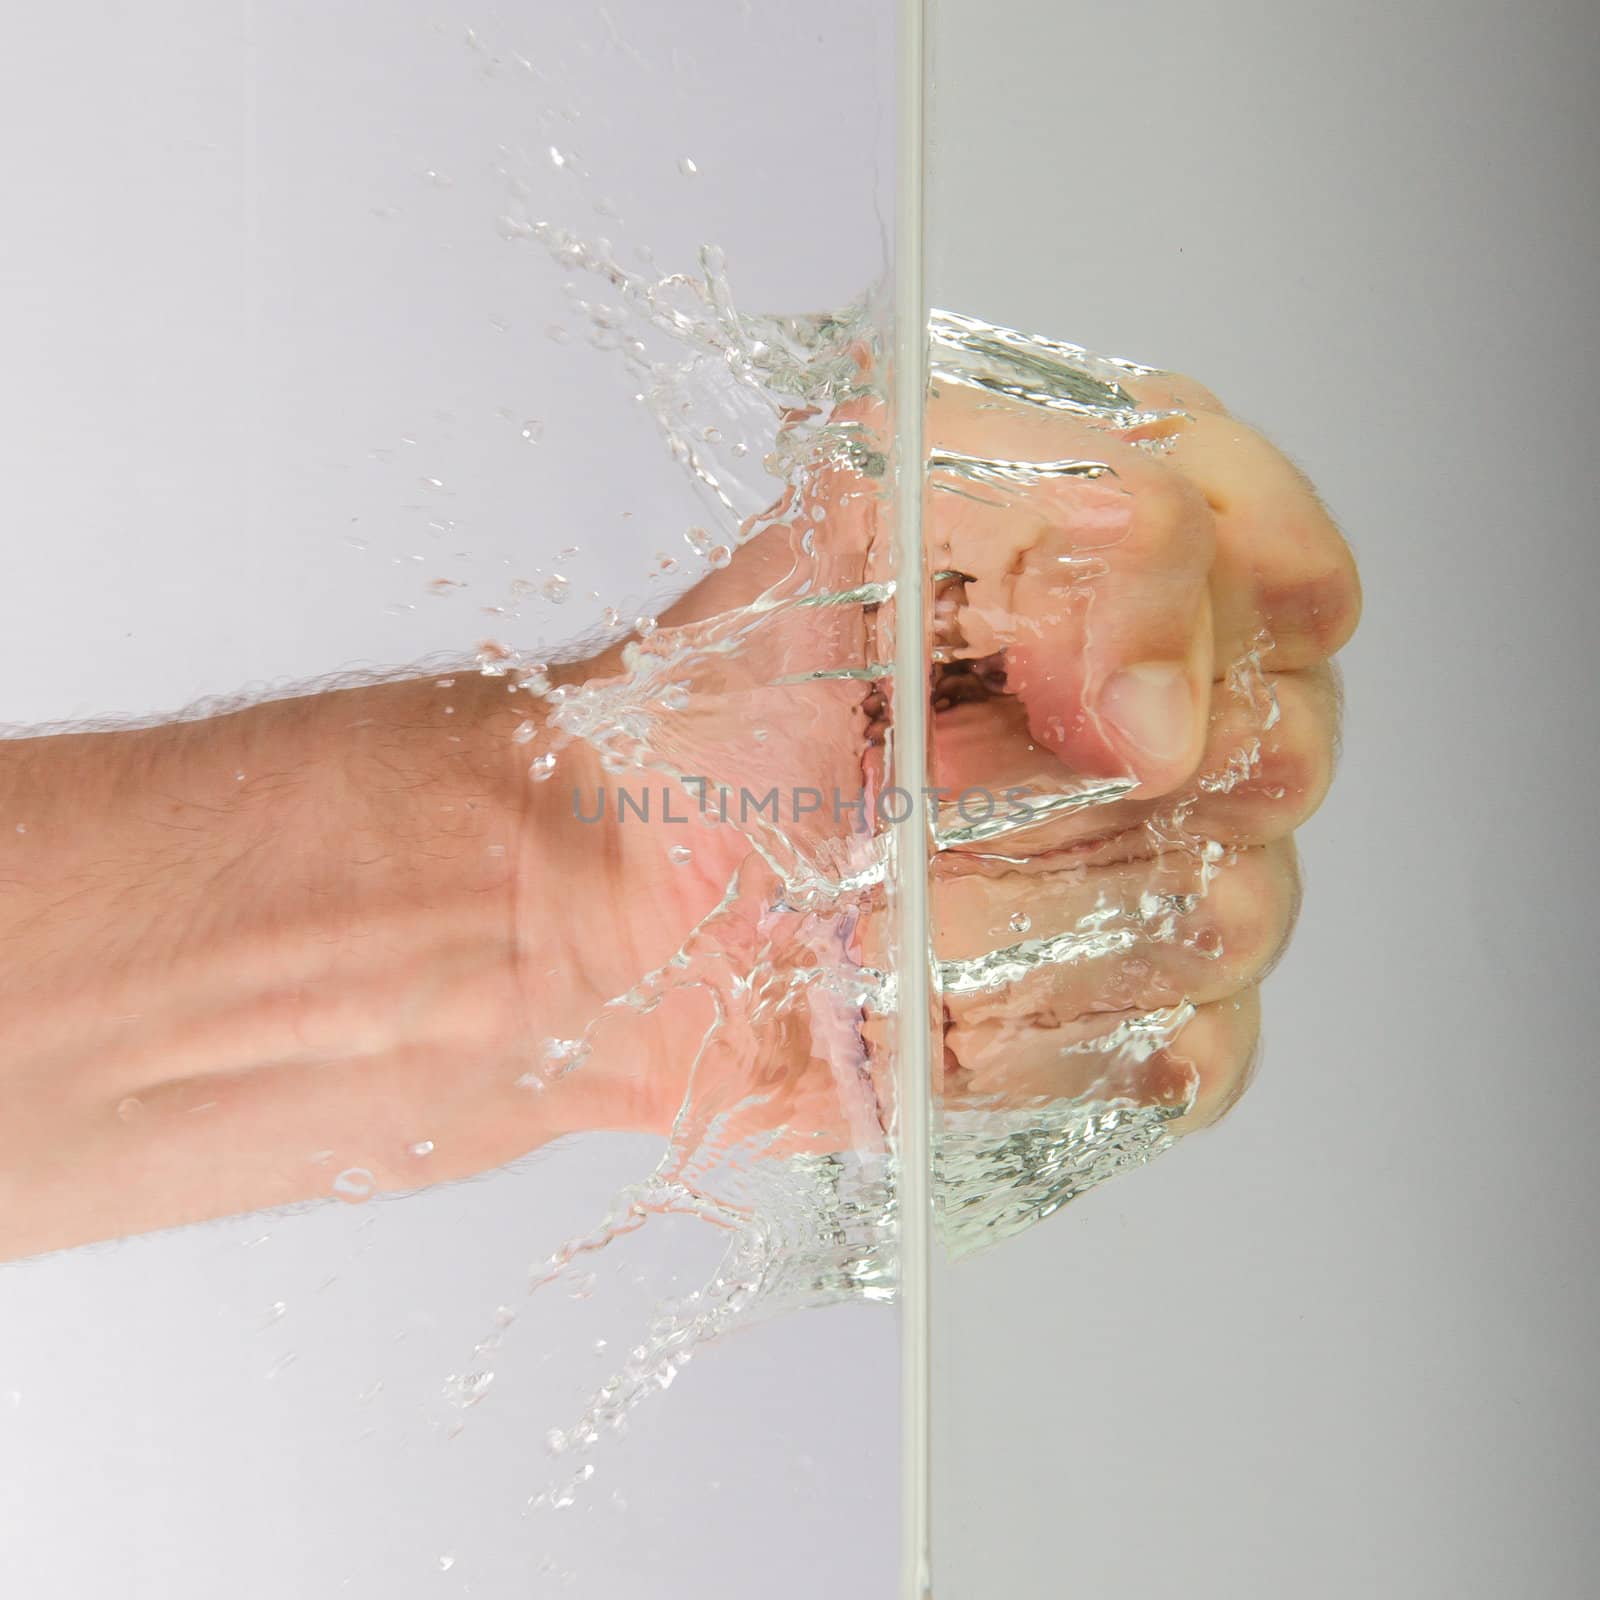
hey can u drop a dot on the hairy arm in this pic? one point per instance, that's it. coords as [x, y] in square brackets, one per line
[317, 946]
[282, 953]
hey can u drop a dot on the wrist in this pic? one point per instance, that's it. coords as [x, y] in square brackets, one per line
[607, 898]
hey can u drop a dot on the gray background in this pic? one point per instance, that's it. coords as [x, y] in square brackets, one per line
[1343, 1344]
[1337, 1346]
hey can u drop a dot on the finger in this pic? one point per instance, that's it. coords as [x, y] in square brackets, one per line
[1258, 783]
[1039, 946]
[1282, 565]
[1196, 1074]
[1085, 562]
[1159, 390]
[1267, 764]
[1222, 1047]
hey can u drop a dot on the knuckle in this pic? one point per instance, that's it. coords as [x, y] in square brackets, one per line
[1173, 528]
[1250, 911]
[1321, 608]
[1335, 604]
[1175, 391]
[1220, 1047]
[1298, 769]
[1189, 394]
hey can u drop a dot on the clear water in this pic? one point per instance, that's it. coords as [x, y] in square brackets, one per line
[780, 682]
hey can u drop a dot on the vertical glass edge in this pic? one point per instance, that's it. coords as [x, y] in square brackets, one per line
[909, 884]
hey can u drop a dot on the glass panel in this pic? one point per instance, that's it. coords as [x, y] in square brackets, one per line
[544, 347]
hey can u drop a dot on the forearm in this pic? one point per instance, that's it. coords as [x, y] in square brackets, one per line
[245, 955]
[242, 955]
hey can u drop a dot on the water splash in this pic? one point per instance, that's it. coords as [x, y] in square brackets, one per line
[782, 1135]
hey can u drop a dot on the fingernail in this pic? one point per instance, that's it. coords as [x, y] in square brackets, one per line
[1150, 707]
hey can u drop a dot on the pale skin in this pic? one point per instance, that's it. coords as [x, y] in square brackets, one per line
[239, 955]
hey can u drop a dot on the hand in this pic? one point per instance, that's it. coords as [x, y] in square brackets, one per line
[1155, 639]
[1132, 627]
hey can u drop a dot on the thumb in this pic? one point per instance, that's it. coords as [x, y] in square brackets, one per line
[1096, 589]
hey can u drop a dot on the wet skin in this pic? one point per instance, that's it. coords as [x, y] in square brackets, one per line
[243, 955]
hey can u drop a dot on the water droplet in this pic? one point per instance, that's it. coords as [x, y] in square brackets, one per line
[354, 1183]
[22, 827]
[541, 767]
[555, 588]
[561, 1056]
[423, 1147]
[558, 158]
[433, 485]
[680, 855]
[468, 1388]
[129, 1108]
[698, 540]
[1020, 922]
[275, 1312]
[493, 660]
[687, 167]
[446, 1562]
[525, 731]
[675, 697]
[533, 430]
[644, 626]
[719, 555]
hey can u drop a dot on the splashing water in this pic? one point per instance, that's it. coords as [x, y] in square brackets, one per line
[782, 1135]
